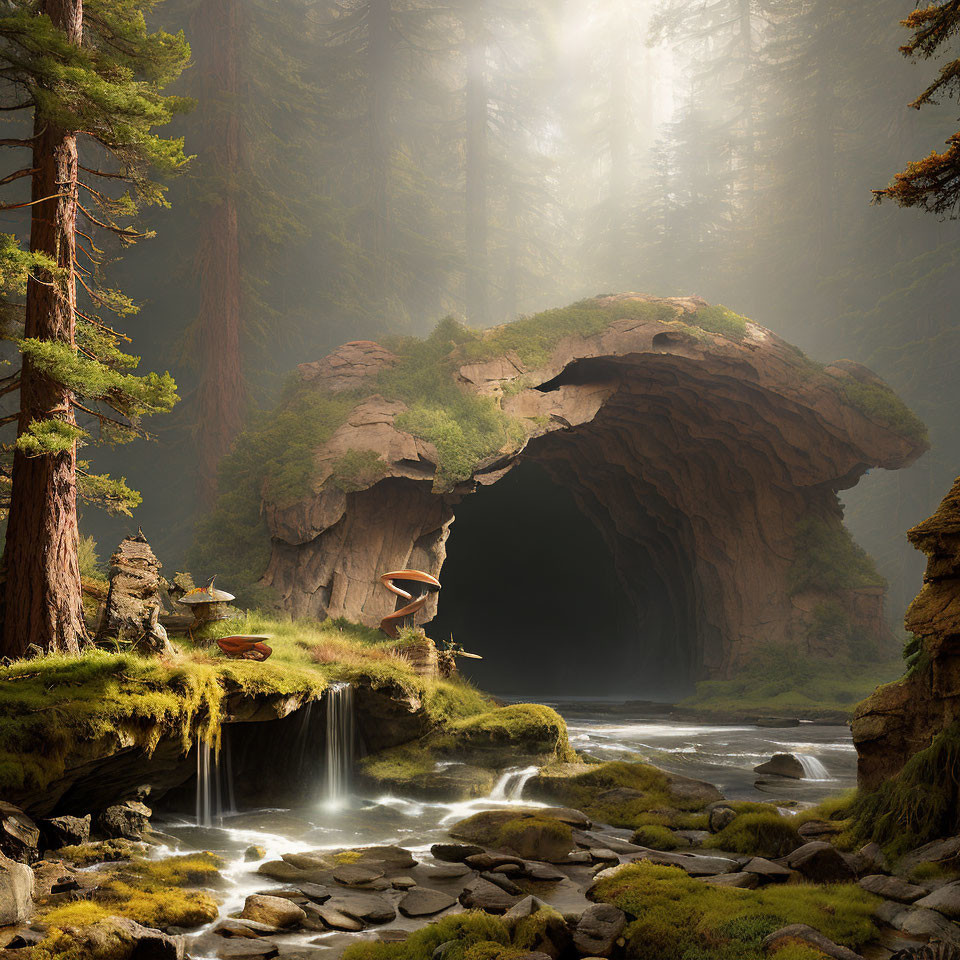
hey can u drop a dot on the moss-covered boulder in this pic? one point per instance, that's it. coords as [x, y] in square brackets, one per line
[624, 793]
[460, 760]
[531, 834]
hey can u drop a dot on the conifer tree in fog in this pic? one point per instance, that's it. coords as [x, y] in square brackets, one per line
[91, 76]
[254, 198]
[932, 183]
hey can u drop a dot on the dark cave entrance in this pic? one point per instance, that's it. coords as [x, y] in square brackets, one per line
[530, 583]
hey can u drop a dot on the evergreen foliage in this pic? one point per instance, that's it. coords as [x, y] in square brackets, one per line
[112, 91]
[827, 558]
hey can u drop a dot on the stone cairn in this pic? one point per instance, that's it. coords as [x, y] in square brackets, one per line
[134, 601]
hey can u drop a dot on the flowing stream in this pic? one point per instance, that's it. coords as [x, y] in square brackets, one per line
[723, 755]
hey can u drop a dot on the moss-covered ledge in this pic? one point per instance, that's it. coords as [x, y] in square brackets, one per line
[65, 719]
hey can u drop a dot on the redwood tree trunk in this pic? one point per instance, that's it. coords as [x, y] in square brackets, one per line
[477, 163]
[381, 80]
[221, 391]
[42, 597]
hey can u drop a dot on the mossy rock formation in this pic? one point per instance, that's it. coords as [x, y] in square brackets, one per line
[687, 433]
[907, 733]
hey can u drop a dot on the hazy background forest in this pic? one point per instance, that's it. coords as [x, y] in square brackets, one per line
[370, 166]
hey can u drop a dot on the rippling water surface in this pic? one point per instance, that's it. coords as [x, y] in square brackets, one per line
[723, 755]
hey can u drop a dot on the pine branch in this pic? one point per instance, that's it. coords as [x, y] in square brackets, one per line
[16, 176]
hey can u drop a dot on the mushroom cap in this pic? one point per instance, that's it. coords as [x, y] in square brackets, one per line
[207, 594]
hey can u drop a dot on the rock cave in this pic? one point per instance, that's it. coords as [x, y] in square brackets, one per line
[700, 451]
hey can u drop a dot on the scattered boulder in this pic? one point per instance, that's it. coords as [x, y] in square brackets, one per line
[337, 920]
[254, 852]
[946, 851]
[122, 939]
[917, 921]
[806, 934]
[820, 862]
[127, 821]
[361, 906]
[945, 900]
[743, 880]
[503, 882]
[315, 892]
[16, 891]
[65, 831]
[356, 874]
[818, 829]
[532, 834]
[767, 870]
[597, 930]
[19, 835]
[694, 864]
[274, 911]
[234, 947]
[454, 852]
[892, 888]
[481, 894]
[423, 902]
[782, 765]
[719, 816]
[873, 858]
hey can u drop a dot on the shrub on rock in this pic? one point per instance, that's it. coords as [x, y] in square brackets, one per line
[759, 834]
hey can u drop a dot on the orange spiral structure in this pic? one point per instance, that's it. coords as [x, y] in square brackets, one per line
[390, 623]
[245, 648]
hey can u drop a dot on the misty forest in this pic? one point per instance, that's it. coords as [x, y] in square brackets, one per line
[478, 480]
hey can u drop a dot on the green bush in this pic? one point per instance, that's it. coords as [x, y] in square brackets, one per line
[469, 936]
[918, 805]
[676, 917]
[720, 319]
[656, 837]
[759, 834]
[827, 558]
[879, 403]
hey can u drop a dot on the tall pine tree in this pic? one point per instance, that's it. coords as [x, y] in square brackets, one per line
[93, 76]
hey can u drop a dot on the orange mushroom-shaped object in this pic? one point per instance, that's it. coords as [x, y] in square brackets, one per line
[390, 623]
[245, 648]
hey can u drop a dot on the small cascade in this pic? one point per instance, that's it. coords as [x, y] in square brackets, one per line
[340, 742]
[304, 746]
[511, 783]
[813, 769]
[215, 796]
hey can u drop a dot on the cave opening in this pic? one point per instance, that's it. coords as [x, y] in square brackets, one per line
[531, 583]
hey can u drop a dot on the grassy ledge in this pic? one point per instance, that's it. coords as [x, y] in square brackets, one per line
[58, 710]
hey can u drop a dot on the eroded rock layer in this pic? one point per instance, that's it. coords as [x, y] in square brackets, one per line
[704, 451]
[901, 719]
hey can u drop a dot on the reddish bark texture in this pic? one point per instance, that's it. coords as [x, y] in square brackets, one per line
[221, 393]
[42, 597]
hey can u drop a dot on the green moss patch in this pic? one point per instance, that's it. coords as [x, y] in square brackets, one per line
[721, 320]
[917, 806]
[467, 936]
[656, 837]
[782, 682]
[620, 793]
[477, 742]
[827, 558]
[151, 892]
[676, 917]
[57, 710]
[879, 403]
[764, 834]
[534, 338]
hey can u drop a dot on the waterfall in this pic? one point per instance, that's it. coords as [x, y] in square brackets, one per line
[215, 795]
[340, 742]
[208, 785]
[813, 769]
[511, 783]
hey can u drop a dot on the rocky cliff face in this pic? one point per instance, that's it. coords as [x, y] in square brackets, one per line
[710, 452]
[902, 718]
